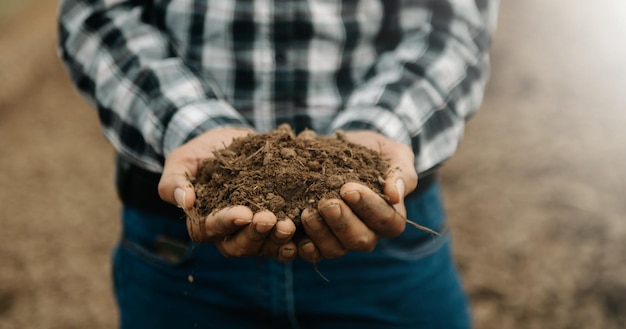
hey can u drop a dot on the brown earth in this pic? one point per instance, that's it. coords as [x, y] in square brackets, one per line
[535, 195]
[284, 173]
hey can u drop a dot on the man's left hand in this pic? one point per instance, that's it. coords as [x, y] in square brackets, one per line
[361, 217]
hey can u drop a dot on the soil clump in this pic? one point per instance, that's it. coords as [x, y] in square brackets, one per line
[284, 173]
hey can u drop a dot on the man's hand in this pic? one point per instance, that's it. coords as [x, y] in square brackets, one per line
[357, 220]
[236, 231]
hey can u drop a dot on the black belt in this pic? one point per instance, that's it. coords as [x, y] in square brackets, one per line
[138, 188]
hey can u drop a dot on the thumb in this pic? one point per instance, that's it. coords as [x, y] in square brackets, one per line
[184, 197]
[174, 186]
[400, 188]
[395, 189]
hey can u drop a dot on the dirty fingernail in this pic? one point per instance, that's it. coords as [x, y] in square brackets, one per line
[331, 211]
[314, 222]
[351, 196]
[288, 252]
[308, 247]
[179, 197]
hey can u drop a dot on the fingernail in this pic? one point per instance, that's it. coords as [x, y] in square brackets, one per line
[263, 227]
[314, 222]
[242, 222]
[401, 188]
[282, 234]
[288, 252]
[308, 247]
[351, 196]
[331, 210]
[179, 196]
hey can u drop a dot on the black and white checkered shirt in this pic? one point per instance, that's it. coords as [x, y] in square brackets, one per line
[161, 72]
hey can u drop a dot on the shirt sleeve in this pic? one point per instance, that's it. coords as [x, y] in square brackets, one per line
[430, 78]
[148, 99]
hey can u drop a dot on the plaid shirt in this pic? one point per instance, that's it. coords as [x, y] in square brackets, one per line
[161, 72]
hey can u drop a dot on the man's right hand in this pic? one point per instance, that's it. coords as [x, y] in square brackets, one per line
[236, 231]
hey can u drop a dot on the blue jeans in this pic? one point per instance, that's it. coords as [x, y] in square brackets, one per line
[164, 281]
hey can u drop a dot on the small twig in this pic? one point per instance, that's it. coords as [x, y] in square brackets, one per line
[420, 227]
[414, 224]
[317, 270]
[256, 152]
[223, 161]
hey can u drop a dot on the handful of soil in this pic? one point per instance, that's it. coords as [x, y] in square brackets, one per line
[284, 173]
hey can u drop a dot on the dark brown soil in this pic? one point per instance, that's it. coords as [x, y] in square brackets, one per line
[284, 173]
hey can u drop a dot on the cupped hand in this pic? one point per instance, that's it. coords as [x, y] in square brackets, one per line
[236, 231]
[357, 220]
[185, 161]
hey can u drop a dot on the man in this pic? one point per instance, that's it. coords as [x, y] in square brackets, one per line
[173, 80]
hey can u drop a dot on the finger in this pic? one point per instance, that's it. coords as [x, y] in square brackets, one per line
[287, 252]
[375, 212]
[279, 245]
[349, 229]
[308, 251]
[401, 161]
[400, 181]
[321, 235]
[174, 185]
[283, 231]
[395, 190]
[217, 226]
[248, 241]
[282, 253]
[395, 186]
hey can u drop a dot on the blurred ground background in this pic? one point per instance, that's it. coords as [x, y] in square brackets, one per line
[535, 194]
